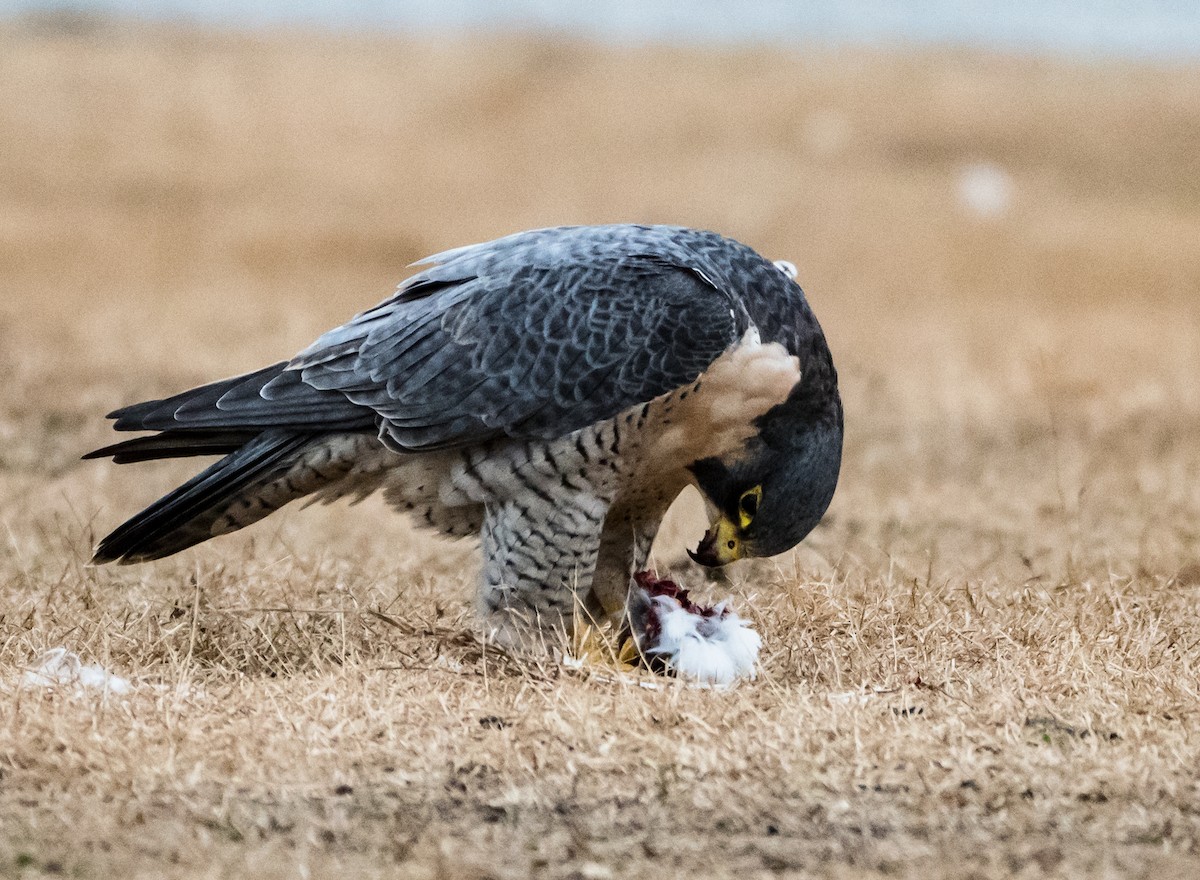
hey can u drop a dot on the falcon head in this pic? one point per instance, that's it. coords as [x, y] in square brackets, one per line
[768, 498]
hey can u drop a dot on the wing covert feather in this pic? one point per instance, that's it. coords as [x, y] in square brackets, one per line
[532, 336]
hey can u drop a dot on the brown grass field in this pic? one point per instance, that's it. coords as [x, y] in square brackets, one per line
[986, 662]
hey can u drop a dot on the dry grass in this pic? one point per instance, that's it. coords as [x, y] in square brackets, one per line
[985, 664]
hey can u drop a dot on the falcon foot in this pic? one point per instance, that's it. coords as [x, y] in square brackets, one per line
[695, 642]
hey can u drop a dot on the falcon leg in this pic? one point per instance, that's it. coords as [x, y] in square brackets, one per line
[624, 550]
[539, 560]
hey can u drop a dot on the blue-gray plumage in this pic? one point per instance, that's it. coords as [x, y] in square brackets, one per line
[552, 390]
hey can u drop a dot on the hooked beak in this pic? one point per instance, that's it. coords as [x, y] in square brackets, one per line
[720, 545]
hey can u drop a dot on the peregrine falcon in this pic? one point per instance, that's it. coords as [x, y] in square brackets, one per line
[552, 392]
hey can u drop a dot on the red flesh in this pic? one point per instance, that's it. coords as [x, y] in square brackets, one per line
[656, 586]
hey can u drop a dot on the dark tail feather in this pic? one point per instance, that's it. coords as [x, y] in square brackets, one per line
[175, 444]
[187, 515]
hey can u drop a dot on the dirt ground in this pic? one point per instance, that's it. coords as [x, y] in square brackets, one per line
[985, 663]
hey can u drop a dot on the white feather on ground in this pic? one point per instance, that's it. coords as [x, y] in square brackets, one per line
[60, 667]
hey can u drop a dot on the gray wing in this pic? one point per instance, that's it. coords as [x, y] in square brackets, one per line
[532, 336]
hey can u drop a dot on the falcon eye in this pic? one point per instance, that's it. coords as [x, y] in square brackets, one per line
[748, 506]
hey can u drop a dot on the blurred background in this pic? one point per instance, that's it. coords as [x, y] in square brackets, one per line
[994, 208]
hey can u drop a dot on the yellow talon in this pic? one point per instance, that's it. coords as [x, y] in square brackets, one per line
[629, 654]
[596, 645]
